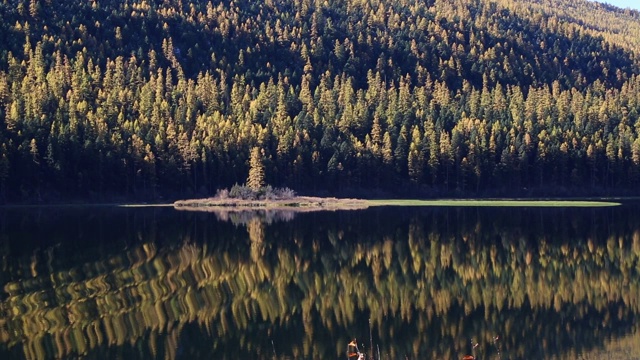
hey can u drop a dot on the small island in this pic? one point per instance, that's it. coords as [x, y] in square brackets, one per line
[255, 195]
[243, 197]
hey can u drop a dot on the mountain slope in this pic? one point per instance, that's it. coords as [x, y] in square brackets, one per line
[140, 99]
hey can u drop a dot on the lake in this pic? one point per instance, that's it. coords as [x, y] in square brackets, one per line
[407, 283]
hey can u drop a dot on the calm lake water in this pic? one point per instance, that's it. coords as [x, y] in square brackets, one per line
[417, 283]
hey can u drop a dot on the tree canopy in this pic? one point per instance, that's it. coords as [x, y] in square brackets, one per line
[142, 99]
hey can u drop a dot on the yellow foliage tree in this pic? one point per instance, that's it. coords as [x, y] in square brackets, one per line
[256, 170]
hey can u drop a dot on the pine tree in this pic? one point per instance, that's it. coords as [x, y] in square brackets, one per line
[255, 180]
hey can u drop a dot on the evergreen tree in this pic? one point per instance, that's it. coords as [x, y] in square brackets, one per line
[255, 180]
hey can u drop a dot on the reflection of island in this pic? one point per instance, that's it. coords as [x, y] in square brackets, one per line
[426, 289]
[240, 217]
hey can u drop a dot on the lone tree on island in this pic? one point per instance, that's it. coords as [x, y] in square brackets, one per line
[255, 181]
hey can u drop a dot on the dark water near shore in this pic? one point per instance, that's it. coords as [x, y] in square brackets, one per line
[423, 283]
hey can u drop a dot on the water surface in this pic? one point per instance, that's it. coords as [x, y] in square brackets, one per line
[413, 283]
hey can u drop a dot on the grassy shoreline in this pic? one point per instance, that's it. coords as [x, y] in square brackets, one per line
[317, 203]
[497, 203]
[330, 203]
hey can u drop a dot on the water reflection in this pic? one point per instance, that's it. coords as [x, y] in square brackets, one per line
[244, 216]
[165, 284]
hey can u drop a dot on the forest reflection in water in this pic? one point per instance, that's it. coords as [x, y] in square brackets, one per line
[139, 283]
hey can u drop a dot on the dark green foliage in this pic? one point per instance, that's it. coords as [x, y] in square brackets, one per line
[245, 192]
[147, 100]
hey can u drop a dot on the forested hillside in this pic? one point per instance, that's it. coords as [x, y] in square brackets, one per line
[150, 99]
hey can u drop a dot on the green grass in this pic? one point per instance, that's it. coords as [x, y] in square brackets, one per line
[494, 203]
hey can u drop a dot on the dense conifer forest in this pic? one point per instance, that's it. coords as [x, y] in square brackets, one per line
[132, 99]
